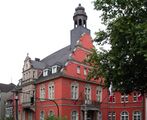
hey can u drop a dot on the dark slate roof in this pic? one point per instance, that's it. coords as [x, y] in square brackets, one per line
[38, 64]
[59, 57]
[6, 87]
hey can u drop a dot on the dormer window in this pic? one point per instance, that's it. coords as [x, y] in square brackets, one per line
[55, 69]
[45, 72]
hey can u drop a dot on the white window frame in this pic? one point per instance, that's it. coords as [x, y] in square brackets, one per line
[124, 98]
[85, 71]
[51, 90]
[135, 96]
[111, 116]
[54, 69]
[78, 69]
[45, 72]
[42, 115]
[42, 92]
[137, 115]
[74, 90]
[74, 115]
[124, 115]
[99, 93]
[23, 115]
[87, 94]
[99, 115]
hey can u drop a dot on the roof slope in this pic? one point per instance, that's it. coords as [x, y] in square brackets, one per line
[38, 64]
[6, 87]
[59, 57]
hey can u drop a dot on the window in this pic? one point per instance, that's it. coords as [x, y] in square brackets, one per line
[51, 113]
[87, 94]
[23, 115]
[42, 92]
[54, 69]
[111, 116]
[19, 115]
[136, 96]
[74, 115]
[45, 72]
[33, 74]
[124, 115]
[99, 115]
[112, 99]
[42, 115]
[80, 22]
[51, 90]
[9, 112]
[78, 69]
[74, 90]
[30, 116]
[124, 98]
[85, 71]
[99, 93]
[137, 115]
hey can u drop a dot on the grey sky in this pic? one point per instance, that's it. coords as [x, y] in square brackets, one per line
[37, 27]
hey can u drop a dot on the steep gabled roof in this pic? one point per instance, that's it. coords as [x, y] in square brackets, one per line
[6, 87]
[59, 57]
[38, 64]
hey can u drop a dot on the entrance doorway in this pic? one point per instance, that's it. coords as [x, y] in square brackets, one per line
[90, 115]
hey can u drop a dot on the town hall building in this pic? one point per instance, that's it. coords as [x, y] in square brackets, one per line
[57, 85]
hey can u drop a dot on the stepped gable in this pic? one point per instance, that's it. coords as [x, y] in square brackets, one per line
[6, 87]
[59, 57]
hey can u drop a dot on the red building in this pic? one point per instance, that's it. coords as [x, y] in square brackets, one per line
[59, 85]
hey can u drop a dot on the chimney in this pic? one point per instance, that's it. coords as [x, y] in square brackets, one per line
[37, 59]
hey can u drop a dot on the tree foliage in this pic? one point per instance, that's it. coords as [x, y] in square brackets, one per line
[52, 117]
[125, 64]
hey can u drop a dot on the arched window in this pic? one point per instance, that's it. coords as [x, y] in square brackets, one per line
[124, 115]
[137, 115]
[80, 22]
[74, 115]
[41, 115]
[51, 113]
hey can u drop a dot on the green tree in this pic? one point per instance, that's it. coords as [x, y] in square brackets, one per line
[55, 118]
[125, 64]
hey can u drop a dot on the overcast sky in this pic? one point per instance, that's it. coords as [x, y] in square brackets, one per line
[37, 27]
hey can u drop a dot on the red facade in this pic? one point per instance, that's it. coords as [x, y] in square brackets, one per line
[61, 87]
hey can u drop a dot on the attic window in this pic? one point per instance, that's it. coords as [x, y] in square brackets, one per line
[54, 69]
[45, 72]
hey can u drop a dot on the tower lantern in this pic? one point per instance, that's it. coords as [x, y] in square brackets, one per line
[80, 17]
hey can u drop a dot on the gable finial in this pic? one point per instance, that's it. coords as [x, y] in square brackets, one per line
[27, 54]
